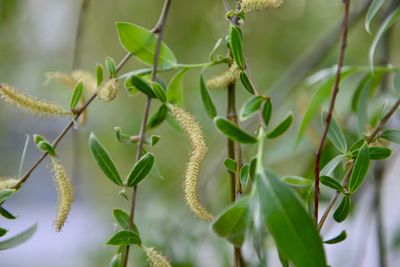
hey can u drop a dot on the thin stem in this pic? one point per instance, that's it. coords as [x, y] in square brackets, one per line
[346, 178]
[159, 28]
[345, 28]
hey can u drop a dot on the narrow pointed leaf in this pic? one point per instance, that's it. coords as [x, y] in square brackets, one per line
[251, 106]
[246, 82]
[341, 237]
[5, 194]
[158, 117]
[267, 112]
[76, 95]
[375, 153]
[99, 74]
[236, 44]
[124, 237]
[6, 214]
[372, 11]
[282, 127]
[18, 239]
[206, 99]
[332, 183]
[335, 133]
[111, 67]
[159, 92]
[393, 135]
[297, 181]
[342, 210]
[141, 85]
[331, 165]
[174, 89]
[360, 169]
[141, 169]
[233, 131]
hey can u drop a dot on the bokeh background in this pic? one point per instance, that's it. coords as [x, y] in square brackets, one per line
[37, 36]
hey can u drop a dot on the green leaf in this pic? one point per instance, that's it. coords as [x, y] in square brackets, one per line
[5, 194]
[99, 74]
[232, 223]
[267, 112]
[158, 117]
[142, 43]
[18, 239]
[297, 181]
[372, 11]
[174, 90]
[292, 228]
[246, 82]
[6, 214]
[46, 147]
[335, 133]
[232, 131]
[342, 210]
[236, 44]
[159, 92]
[332, 183]
[116, 260]
[282, 127]
[397, 82]
[3, 231]
[342, 236]
[360, 169]
[375, 153]
[393, 135]
[251, 106]
[230, 165]
[331, 165]
[244, 175]
[140, 170]
[76, 95]
[206, 99]
[111, 67]
[141, 85]
[122, 218]
[124, 237]
[213, 52]
[389, 21]
[103, 160]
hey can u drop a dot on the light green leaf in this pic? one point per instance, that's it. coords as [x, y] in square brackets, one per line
[142, 43]
[206, 99]
[111, 67]
[103, 160]
[99, 74]
[5, 194]
[116, 260]
[297, 181]
[360, 169]
[230, 165]
[335, 133]
[331, 165]
[236, 44]
[140, 170]
[251, 106]
[76, 95]
[18, 239]
[124, 237]
[372, 11]
[393, 135]
[244, 175]
[281, 127]
[174, 89]
[233, 131]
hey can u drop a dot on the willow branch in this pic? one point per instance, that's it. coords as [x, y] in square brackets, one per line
[159, 28]
[345, 29]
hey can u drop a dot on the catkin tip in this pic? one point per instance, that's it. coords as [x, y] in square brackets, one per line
[108, 91]
[199, 149]
[30, 104]
[155, 258]
[249, 5]
[7, 183]
[65, 194]
[226, 78]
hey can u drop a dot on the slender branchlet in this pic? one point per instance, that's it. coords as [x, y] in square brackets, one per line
[70, 80]
[65, 193]
[30, 104]
[199, 150]
[7, 183]
[226, 78]
[108, 91]
[156, 259]
[249, 5]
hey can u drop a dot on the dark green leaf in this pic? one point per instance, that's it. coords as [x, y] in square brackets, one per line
[140, 170]
[99, 75]
[142, 43]
[122, 218]
[342, 210]
[230, 165]
[297, 181]
[232, 223]
[3, 231]
[18, 239]
[116, 260]
[332, 183]
[5, 194]
[158, 117]
[236, 44]
[267, 112]
[342, 236]
[393, 135]
[253, 167]
[103, 160]
[292, 228]
[111, 67]
[124, 237]
[6, 214]
[46, 147]
[233, 131]
[174, 90]
[246, 82]
[141, 85]
[375, 153]
[335, 133]
[206, 99]
[159, 92]
[251, 106]
[360, 169]
[76, 95]
[372, 11]
[282, 127]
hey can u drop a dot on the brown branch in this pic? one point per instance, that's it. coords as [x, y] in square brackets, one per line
[159, 28]
[345, 29]
[346, 178]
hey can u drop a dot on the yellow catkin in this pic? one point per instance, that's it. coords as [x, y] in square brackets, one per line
[7, 183]
[65, 193]
[223, 80]
[249, 5]
[199, 150]
[70, 80]
[108, 90]
[30, 104]
[156, 259]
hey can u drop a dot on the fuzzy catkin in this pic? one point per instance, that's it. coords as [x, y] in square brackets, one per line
[223, 80]
[65, 193]
[7, 183]
[156, 259]
[108, 91]
[30, 104]
[249, 5]
[199, 151]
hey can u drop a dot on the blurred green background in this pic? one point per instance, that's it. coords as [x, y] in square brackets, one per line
[37, 36]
